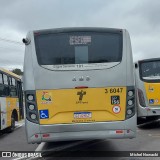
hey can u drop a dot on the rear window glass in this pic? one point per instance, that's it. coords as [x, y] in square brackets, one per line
[78, 48]
[150, 70]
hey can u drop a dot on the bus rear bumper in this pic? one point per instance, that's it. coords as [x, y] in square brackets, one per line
[81, 131]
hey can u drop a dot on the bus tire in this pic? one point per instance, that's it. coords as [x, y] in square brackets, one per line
[12, 127]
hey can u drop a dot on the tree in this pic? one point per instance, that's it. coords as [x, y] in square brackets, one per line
[17, 71]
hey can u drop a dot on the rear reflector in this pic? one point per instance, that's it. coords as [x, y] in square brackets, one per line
[36, 135]
[45, 135]
[119, 131]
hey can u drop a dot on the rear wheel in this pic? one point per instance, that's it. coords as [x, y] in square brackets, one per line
[12, 127]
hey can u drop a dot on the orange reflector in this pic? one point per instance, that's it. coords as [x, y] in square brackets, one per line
[45, 135]
[80, 87]
[119, 131]
[36, 135]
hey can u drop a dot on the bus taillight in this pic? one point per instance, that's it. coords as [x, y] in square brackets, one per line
[31, 107]
[130, 110]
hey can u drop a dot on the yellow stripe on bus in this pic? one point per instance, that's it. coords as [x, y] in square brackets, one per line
[11, 104]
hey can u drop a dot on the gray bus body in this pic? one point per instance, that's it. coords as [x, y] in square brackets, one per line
[65, 77]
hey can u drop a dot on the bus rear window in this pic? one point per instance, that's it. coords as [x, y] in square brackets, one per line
[78, 48]
[150, 70]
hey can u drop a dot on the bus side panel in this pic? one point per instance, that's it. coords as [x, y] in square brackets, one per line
[141, 111]
[28, 76]
[3, 113]
[129, 60]
[9, 110]
[12, 104]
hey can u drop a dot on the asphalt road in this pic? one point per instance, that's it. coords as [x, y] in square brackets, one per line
[148, 139]
[16, 141]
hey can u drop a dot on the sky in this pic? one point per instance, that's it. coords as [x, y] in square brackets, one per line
[140, 17]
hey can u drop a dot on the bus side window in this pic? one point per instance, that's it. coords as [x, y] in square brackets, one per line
[4, 90]
[1, 90]
[13, 82]
[10, 81]
[1, 79]
[5, 79]
[13, 91]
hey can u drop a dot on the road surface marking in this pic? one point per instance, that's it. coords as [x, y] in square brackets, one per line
[154, 135]
[40, 147]
[59, 148]
[18, 126]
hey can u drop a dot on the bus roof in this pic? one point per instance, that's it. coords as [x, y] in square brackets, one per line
[10, 73]
[81, 29]
[148, 60]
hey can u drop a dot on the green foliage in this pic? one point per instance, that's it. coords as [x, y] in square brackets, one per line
[17, 71]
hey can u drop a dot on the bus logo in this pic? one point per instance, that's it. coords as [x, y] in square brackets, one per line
[81, 94]
[46, 98]
[151, 89]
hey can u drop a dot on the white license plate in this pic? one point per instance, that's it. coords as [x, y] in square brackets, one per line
[82, 115]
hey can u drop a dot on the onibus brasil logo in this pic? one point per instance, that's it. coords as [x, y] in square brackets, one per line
[46, 98]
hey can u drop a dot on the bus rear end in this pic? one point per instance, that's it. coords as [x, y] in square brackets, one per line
[148, 84]
[79, 84]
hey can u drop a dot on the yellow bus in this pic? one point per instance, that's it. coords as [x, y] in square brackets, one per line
[148, 87]
[11, 100]
[79, 84]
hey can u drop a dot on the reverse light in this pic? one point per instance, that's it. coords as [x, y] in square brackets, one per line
[129, 111]
[31, 107]
[33, 116]
[30, 97]
[130, 93]
[130, 102]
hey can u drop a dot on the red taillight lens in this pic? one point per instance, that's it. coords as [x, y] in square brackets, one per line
[141, 98]
[119, 131]
[45, 135]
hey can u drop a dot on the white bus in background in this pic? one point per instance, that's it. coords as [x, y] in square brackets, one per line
[148, 87]
[79, 84]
